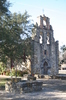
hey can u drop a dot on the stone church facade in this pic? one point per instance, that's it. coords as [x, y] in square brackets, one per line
[45, 48]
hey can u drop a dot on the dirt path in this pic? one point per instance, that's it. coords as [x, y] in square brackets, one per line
[53, 89]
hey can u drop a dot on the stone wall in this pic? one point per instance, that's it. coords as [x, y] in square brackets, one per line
[23, 86]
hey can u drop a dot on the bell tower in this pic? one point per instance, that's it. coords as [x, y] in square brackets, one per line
[45, 48]
[43, 22]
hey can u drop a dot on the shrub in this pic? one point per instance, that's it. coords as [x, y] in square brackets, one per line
[19, 73]
[8, 72]
[16, 72]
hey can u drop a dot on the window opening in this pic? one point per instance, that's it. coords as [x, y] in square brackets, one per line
[40, 39]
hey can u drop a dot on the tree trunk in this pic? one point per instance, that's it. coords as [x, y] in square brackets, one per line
[12, 63]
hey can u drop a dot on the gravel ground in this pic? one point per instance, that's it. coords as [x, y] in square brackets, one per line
[53, 89]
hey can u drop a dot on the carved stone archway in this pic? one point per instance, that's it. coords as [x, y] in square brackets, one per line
[45, 67]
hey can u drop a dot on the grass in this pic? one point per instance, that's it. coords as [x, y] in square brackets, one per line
[2, 83]
[2, 86]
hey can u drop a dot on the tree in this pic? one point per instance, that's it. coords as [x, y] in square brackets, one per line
[15, 39]
[4, 5]
[63, 48]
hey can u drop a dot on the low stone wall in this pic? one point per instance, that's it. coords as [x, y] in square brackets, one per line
[31, 78]
[62, 71]
[15, 79]
[61, 76]
[23, 86]
[44, 76]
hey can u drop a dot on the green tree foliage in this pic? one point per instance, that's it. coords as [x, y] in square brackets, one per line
[15, 40]
[63, 48]
[4, 5]
[15, 31]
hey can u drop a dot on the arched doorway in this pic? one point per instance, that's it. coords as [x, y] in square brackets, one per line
[45, 67]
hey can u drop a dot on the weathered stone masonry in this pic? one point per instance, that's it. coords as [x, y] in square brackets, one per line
[46, 52]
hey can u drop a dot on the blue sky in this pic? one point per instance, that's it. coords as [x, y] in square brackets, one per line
[54, 9]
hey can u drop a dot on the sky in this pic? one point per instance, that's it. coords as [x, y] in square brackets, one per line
[54, 9]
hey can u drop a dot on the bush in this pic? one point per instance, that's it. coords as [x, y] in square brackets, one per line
[2, 69]
[16, 72]
[25, 72]
[21, 73]
[8, 72]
